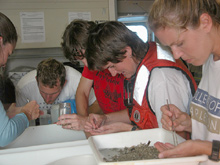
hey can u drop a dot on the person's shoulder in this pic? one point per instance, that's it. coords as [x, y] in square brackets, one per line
[30, 74]
[167, 73]
[27, 78]
[163, 52]
[72, 75]
[71, 70]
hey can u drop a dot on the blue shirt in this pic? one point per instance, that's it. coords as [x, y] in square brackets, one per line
[10, 129]
[73, 105]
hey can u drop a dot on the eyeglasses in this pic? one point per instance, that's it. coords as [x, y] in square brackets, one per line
[77, 54]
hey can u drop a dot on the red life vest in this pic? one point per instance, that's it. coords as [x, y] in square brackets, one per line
[143, 115]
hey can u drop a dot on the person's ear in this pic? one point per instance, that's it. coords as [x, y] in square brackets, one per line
[36, 79]
[128, 51]
[206, 22]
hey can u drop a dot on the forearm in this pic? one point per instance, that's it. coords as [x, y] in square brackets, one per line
[13, 110]
[119, 116]
[201, 147]
[12, 128]
[124, 127]
[82, 104]
[82, 96]
[95, 108]
[27, 113]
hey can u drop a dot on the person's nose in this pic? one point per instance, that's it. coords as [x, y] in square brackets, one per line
[177, 53]
[112, 71]
[47, 98]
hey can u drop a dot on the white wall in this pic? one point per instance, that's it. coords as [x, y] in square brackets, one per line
[56, 20]
[55, 16]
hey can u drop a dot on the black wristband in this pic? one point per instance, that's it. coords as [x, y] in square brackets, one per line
[134, 128]
[215, 150]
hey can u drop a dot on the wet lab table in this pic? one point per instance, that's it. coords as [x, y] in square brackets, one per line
[44, 145]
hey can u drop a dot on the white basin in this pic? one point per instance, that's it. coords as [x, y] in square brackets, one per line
[48, 154]
[45, 134]
[76, 160]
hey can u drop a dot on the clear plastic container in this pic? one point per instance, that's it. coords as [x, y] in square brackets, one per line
[46, 118]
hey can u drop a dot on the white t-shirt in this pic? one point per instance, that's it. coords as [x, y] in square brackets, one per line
[171, 84]
[27, 88]
[205, 106]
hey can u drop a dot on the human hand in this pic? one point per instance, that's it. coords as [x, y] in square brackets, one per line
[95, 121]
[31, 110]
[110, 128]
[187, 148]
[72, 121]
[181, 120]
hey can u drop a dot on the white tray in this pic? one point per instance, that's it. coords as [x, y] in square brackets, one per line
[128, 139]
[45, 134]
[45, 154]
[76, 160]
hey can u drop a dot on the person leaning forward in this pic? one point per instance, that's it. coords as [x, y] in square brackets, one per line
[191, 28]
[152, 77]
[16, 120]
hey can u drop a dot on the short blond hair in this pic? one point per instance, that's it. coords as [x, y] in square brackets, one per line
[182, 13]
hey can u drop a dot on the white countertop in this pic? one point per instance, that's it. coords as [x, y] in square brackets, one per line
[44, 154]
[71, 148]
[45, 134]
[45, 144]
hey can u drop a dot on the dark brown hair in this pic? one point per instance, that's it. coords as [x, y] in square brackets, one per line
[107, 43]
[75, 38]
